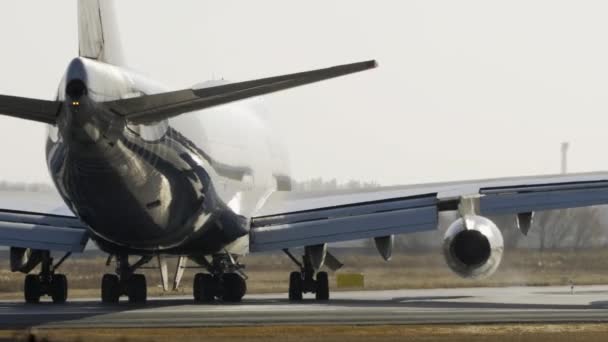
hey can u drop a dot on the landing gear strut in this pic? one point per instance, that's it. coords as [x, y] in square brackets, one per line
[47, 282]
[225, 280]
[125, 282]
[304, 281]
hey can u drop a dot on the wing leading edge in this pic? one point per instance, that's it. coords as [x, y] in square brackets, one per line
[300, 219]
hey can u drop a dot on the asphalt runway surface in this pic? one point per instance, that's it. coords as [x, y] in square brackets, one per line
[436, 306]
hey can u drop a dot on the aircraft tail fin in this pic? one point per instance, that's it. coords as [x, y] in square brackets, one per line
[98, 35]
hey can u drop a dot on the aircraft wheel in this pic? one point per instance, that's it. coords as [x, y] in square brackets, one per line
[234, 287]
[195, 287]
[295, 286]
[110, 289]
[205, 287]
[322, 286]
[32, 289]
[137, 289]
[59, 288]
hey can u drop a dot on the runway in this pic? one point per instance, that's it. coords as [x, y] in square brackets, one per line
[447, 306]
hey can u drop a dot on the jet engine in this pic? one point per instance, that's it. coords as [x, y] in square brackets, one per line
[473, 247]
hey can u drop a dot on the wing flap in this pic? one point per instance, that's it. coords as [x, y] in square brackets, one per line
[11, 216]
[520, 199]
[352, 222]
[39, 220]
[35, 236]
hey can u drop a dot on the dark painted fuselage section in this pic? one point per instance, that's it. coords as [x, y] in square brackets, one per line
[186, 186]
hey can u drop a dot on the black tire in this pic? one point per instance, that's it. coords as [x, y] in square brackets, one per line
[59, 288]
[234, 287]
[110, 289]
[322, 286]
[198, 281]
[295, 286]
[137, 289]
[205, 287]
[32, 289]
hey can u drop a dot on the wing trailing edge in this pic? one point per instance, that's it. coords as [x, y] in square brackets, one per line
[343, 223]
[154, 108]
[291, 219]
[42, 231]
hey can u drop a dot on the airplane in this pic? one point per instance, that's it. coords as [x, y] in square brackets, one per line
[148, 172]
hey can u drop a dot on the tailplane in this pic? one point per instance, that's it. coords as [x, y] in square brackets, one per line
[99, 40]
[153, 108]
[98, 32]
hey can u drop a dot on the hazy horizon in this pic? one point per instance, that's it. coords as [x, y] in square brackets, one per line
[468, 89]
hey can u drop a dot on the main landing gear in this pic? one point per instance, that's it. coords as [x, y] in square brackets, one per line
[47, 282]
[125, 282]
[305, 281]
[225, 280]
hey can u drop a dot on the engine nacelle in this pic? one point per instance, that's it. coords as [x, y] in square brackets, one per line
[473, 249]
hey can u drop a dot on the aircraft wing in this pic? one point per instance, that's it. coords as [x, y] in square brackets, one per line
[39, 221]
[291, 219]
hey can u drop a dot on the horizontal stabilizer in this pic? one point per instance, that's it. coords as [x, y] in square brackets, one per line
[29, 109]
[154, 108]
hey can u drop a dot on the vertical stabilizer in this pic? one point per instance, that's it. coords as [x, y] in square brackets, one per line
[98, 32]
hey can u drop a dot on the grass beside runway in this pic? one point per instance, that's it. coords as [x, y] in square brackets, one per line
[452, 333]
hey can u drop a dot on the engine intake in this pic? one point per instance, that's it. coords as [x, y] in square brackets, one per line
[473, 247]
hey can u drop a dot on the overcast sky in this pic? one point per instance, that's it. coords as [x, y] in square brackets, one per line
[465, 89]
